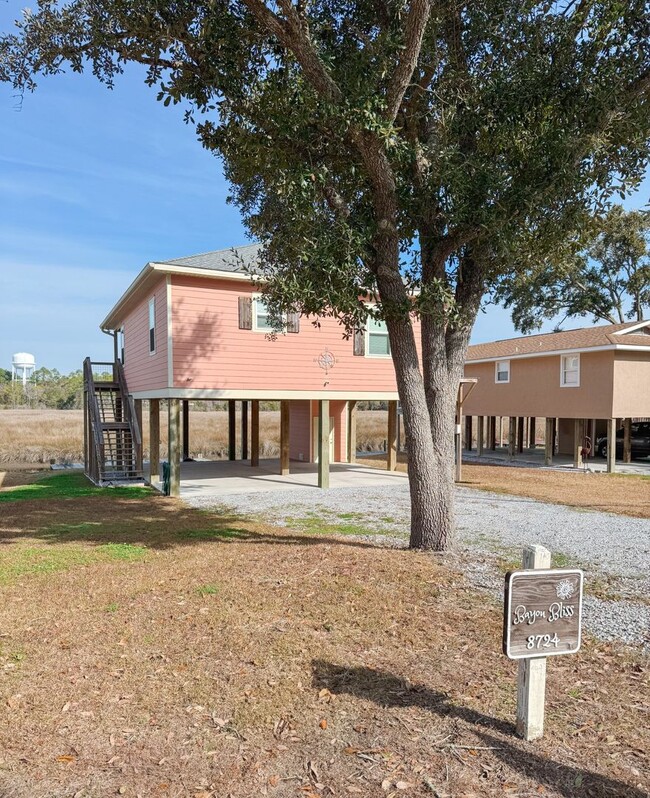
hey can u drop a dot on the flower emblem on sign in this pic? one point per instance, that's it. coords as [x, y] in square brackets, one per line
[326, 361]
[565, 589]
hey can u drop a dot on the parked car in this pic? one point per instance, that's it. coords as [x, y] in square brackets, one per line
[640, 437]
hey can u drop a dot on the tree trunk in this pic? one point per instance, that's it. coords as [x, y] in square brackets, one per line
[429, 521]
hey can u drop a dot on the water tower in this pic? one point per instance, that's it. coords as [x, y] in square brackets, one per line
[22, 367]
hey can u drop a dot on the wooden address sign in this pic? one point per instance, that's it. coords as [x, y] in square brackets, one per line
[542, 614]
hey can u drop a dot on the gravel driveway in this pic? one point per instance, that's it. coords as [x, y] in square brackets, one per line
[492, 528]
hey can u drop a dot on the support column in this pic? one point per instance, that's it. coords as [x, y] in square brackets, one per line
[532, 437]
[512, 436]
[174, 446]
[255, 433]
[86, 436]
[627, 440]
[139, 466]
[480, 429]
[520, 434]
[154, 440]
[284, 437]
[323, 443]
[492, 435]
[468, 433]
[391, 456]
[352, 432]
[244, 430]
[458, 438]
[186, 430]
[578, 439]
[548, 442]
[232, 440]
[611, 445]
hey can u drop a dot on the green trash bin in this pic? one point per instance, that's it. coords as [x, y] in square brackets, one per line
[165, 478]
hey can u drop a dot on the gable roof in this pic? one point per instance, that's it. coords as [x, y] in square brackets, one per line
[234, 259]
[604, 336]
[234, 262]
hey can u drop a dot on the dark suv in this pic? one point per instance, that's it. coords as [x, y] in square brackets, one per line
[640, 441]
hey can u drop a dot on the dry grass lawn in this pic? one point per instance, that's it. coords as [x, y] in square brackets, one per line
[150, 649]
[626, 494]
[38, 436]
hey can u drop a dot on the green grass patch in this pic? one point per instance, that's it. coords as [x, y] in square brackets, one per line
[69, 486]
[207, 590]
[316, 525]
[31, 560]
[121, 551]
[112, 607]
[218, 533]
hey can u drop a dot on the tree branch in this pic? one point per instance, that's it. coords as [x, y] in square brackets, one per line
[416, 23]
[293, 34]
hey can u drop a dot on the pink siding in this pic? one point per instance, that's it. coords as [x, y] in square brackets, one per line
[300, 431]
[211, 352]
[145, 371]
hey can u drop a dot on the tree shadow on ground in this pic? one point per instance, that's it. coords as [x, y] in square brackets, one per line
[152, 521]
[388, 690]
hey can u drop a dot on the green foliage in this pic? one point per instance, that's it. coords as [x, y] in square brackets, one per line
[68, 486]
[47, 388]
[609, 279]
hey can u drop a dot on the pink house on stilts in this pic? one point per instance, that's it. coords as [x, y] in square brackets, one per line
[196, 328]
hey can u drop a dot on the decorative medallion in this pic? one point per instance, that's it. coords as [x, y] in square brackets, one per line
[326, 361]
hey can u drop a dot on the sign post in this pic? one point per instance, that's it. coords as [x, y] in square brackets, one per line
[541, 618]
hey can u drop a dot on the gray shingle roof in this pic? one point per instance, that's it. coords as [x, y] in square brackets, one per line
[234, 259]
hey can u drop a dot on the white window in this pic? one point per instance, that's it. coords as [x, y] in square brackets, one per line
[120, 345]
[570, 371]
[152, 325]
[502, 371]
[261, 318]
[378, 344]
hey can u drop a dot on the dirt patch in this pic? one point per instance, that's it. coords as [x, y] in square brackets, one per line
[613, 493]
[229, 658]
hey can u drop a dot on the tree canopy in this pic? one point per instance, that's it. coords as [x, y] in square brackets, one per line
[420, 150]
[608, 280]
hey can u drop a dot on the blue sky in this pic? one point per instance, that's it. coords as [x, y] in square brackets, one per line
[93, 184]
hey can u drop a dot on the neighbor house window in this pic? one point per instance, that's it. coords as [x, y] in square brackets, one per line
[377, 337]
[152, 325]
[502, 371]
[570, 371]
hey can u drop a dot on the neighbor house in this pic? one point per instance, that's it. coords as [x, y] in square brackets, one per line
[581, 381]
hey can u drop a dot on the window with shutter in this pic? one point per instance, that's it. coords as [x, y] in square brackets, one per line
[245, 313]
[359, 343]
[293, 322]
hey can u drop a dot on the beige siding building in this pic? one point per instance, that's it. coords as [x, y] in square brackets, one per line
[585, 383]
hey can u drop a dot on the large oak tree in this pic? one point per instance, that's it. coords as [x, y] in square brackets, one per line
[420, 151]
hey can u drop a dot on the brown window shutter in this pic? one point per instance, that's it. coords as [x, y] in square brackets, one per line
[245, 313]
[359, 342]
[293, 322]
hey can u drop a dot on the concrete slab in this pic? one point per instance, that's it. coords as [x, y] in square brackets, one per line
[208, 477]
[531, 458]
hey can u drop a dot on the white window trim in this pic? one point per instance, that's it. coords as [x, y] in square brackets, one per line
[267, 330]
[564, 384]
[152, 302]
[496, 372]
[367, 341]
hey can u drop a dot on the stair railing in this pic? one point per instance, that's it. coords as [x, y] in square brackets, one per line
[95, 443]
[130, 415]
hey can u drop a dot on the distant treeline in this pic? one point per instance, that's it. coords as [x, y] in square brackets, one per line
[48, 388]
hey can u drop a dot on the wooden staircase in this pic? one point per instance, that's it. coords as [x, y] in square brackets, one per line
[112, 437]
